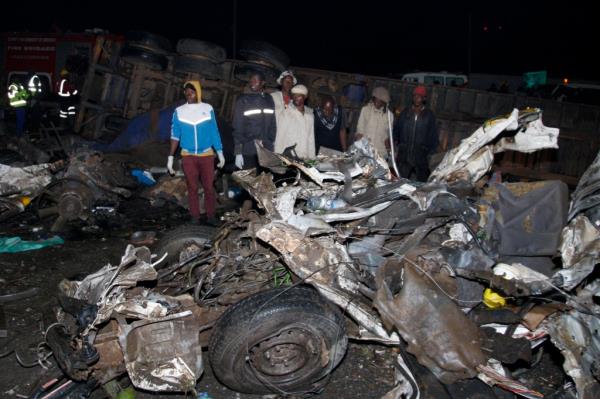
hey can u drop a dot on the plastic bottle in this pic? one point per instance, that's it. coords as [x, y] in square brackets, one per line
[323, 203]
[234, 192]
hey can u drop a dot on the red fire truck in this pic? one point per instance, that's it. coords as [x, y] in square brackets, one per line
[25, 53]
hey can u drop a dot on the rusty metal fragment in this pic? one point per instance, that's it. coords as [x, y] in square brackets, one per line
[445, 341]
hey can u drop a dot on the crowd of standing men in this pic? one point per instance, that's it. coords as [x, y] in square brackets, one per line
[282, 122]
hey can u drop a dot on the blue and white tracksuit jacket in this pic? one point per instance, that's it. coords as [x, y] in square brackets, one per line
[195, 127]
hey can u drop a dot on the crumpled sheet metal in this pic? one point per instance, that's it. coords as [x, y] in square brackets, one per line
[161, 350]
[535, 137]
[362, 314]
[437, 332]
[474, 156]
[260, 187]
[29, 180]
[586, 195]
[319, 259]
[576, 336]
[580, 252]
[165, 355]
[169, 376]
[469, 150]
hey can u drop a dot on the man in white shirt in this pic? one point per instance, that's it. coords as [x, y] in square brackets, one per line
[375, 120]
[296, 126]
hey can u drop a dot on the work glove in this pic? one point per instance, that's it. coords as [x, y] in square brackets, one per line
[170, 165]
[239, 161]
[221, 159]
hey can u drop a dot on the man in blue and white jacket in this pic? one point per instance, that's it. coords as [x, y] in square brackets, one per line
[194, 129]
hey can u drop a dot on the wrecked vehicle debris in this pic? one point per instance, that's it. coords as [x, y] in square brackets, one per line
[456, 276]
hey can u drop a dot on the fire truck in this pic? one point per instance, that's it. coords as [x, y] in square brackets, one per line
[45, 54]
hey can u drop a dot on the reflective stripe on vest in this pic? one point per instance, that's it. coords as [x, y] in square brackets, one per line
[252, 112]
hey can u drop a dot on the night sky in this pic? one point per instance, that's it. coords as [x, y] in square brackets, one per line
[376, 37]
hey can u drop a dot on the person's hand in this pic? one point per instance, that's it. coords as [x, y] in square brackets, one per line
[170, 165]
[221, 159]
[358, 136]
[239, 161]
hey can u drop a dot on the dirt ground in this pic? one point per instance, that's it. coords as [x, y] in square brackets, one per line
[366, 371]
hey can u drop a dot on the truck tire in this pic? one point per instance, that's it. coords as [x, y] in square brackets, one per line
[175, 240]
[139, 56]
[243, 72]
[280, 340]
[200, 48]
[149, 41]
[254, 50]
[200, 65]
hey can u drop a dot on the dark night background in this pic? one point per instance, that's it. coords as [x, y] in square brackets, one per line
[376, 37]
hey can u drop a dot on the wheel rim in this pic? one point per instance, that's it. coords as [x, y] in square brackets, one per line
[293, 351]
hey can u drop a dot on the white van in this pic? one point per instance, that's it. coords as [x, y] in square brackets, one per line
[436, 78]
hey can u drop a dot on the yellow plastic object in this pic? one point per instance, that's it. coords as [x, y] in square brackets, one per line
[25, 201]
[492, 299]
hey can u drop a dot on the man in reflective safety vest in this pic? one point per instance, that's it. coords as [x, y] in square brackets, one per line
[253, 119]
[66, 92]
[34, 85]
[17, 97]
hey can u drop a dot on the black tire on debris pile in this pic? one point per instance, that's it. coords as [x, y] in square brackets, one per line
[244, 72]
[254, 50]
[200, 48]
[139, 56]
[149, 41]
[303, 331]
[174, 240]
[199, 65]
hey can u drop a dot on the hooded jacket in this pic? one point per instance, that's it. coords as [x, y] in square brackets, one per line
[195, 127]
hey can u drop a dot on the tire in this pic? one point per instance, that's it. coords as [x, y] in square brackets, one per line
[174, 241]
[150, 41]
[208, 50]
[243, 73]
[139, 56]
[280, 340]
[254, 50]
[202, 66]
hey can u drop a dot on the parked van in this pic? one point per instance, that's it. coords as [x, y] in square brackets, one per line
[436, 78]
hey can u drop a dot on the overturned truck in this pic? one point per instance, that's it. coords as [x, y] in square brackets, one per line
[455, 272]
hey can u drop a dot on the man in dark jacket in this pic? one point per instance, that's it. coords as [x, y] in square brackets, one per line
[416, 135]
[253, 119]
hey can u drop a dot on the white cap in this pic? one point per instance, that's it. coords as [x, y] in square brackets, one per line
[300, 89]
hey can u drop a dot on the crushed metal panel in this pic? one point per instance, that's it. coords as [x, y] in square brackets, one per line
[165, 355]
[261, 188]
[580, 252]
[535, 137]
[321, 258]
[29, 180]
[576, 335]
[445, 341]
[469, 149]
[364, 316]
[586, 195]
[474, 155]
